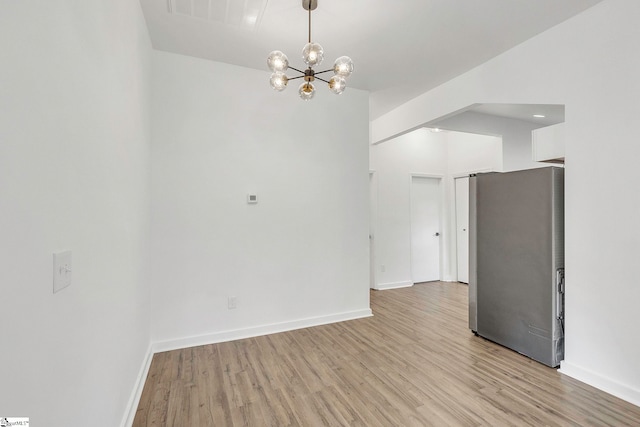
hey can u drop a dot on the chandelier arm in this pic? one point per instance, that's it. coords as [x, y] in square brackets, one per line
[322, 80]
[320, 72]
[295, 69]
[293, 78]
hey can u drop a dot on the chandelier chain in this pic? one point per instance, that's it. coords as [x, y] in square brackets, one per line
[309, 24]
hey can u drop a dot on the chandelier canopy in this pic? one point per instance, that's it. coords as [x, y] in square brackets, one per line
[312, 55]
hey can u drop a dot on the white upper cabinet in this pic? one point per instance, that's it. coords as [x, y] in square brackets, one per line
[548, 144]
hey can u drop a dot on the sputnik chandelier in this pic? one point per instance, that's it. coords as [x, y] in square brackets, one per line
[312, 55]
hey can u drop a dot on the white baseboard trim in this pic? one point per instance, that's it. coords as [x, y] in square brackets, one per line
[134, 399]
[257, 331]
[598, 381]
[394, 285]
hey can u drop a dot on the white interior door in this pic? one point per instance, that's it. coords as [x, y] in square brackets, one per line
[425, 229]
[462, 228]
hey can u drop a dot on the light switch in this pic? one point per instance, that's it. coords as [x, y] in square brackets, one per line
[252, 199]
[61, 270]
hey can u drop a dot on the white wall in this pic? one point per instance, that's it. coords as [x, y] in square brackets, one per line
[516, 136]
[419, 152]
[468, 153]
[588, 64]
[422, 152]
[74, 151]
[297, 257]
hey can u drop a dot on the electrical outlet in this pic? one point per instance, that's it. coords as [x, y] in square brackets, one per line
[232, 302]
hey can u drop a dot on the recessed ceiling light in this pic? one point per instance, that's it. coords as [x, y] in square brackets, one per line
[539, 116]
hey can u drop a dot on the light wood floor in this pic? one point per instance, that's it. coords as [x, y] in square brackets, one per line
[415, 363]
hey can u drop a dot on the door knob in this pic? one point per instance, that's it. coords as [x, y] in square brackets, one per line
[437, 234]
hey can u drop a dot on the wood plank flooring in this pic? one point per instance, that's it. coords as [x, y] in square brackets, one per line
[415, 363]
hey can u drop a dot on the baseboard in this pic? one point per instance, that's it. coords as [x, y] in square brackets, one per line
[393, 285]
[134, 400]
[258, 331]
[605, 384]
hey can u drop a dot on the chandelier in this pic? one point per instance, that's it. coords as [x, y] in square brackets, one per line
[312, 55]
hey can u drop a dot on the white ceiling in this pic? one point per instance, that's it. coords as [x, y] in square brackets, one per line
[400, 48]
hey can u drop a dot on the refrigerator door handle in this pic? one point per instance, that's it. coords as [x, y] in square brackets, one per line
[560, 298]
[560, 280]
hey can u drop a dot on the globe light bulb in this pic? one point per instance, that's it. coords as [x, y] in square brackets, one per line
[306, 91]
[278, 81]
[312, 54]
[343, 66]
[277, 61]
[337, 84]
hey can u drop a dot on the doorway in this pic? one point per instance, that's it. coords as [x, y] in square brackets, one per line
[373, 214]
[462, 227]
[425, 228]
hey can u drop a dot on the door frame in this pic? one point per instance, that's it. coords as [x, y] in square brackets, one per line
[441, 214]
[373, 227]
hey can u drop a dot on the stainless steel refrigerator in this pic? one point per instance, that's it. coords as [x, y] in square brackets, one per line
[516, 261]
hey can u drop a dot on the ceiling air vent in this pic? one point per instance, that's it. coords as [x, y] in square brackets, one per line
[238, 13]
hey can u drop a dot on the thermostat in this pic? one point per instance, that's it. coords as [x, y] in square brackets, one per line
[252, 198]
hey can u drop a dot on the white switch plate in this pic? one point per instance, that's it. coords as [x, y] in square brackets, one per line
[61, 270]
